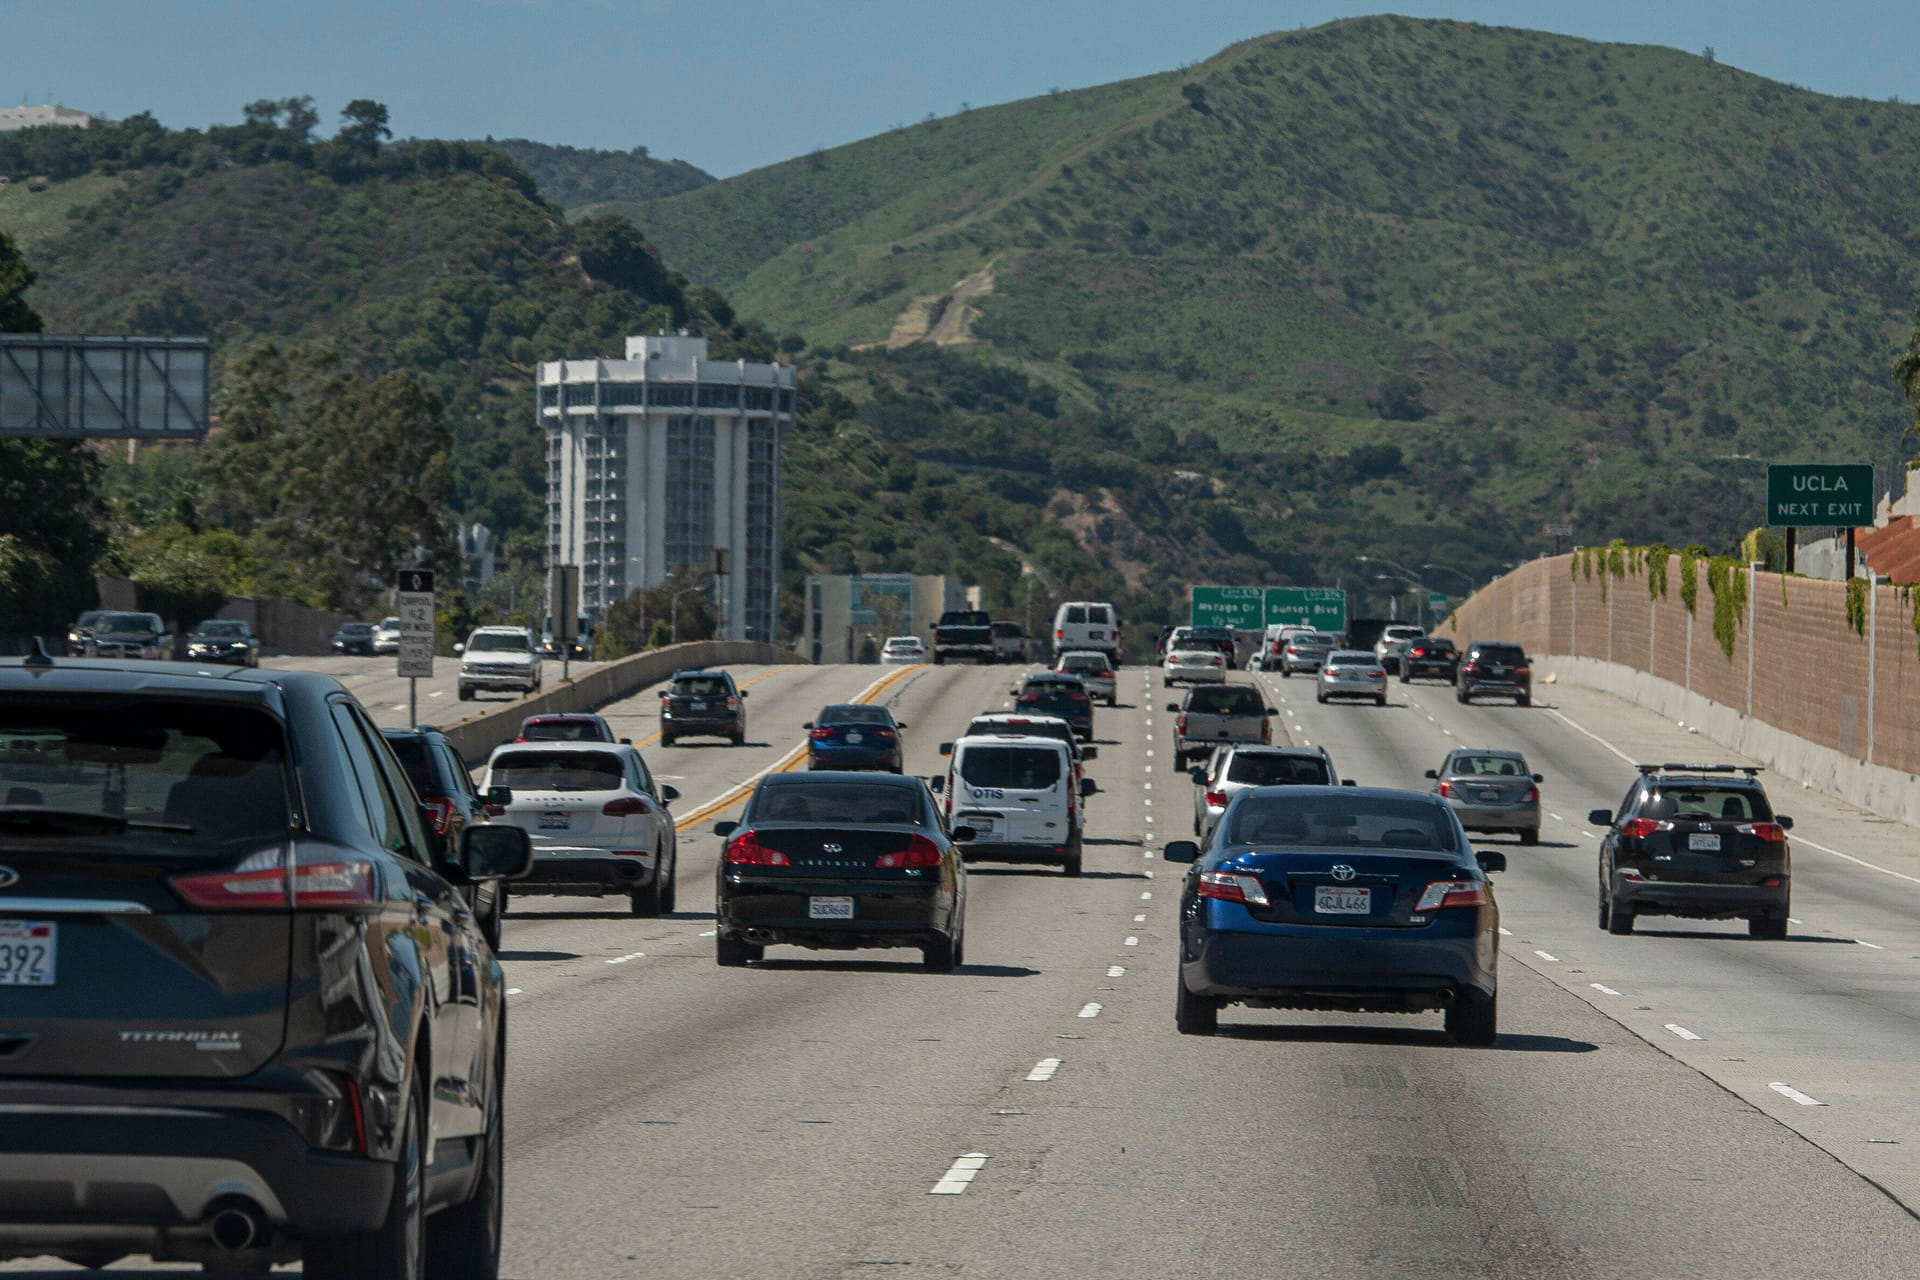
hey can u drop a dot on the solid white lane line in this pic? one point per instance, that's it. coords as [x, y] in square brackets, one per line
[1116, 971]
[958, 1178]
[1131, 942]
[1603, 988]
[1546, 955]
[1871, 866]
[1863, 942]
[1570, 723]
[1788, 1091]
[1681, 1031]
[637, 955]
[1043, 1070]
[1091, 1009]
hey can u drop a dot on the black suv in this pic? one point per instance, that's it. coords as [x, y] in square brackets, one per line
[452, 804]
[1054, 693]
[1496, 668]
[702, 703]
[1695, 840]
[1429, 658]
[249, 1017]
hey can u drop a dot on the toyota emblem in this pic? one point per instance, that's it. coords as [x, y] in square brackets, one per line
[1343, 872]
[8, 877]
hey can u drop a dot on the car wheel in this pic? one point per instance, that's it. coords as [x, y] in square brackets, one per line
[1605, 913]
[396, 1249]
[1073, 861]
[1769, 928]
[1524, 700]
[490, 926]
[1474, 1019]
[1530, 836]
[670, 895]
[939, 956]
[466, 695]
[1619, 919]
[737, 739]
[1320, 697]
[1194, 1015]
[1380, 700]
[1461, 697]
[647, 901]
[667, 739]
[463, 1242]
[1285, 672]
[734, 952]
[1405, 678]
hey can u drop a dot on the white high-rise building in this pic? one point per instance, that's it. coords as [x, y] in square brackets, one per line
[655, 462]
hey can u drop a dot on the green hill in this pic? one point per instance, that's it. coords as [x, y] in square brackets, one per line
[1561, 279]
[574, 176]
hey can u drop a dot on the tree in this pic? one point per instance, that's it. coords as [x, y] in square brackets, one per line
[1906, 375]
[647, 617]
[365, 128]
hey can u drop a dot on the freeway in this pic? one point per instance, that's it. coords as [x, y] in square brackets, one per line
[384, 694]
[670, 1118]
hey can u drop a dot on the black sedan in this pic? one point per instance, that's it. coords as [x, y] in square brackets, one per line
[854, 735]
[839, 862]
[1364, 900]
[354, 637]
[226, 641]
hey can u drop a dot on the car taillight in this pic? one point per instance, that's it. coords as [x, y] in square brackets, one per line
[1180, 725]
[1452, 893]
[882, 735]
[733, 704]
[1059, 635]
[1078, 697]
[920, 852]
[439, 812]
[1233, 886]
[1027, 699]
[821, 735]
[1471, 668]
[1217, 799]
[1445, 788]
[1173, 659]
[626, 807]
[1771, 832]
[746, 850]
[1641, 828]
[264, 883]
[1533, 795]
[1523, 671]
[1419, 653]
[1291, 649]
[1104, 675]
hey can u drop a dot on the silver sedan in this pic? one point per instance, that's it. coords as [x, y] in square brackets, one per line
[1352, 673]
[1490, 790]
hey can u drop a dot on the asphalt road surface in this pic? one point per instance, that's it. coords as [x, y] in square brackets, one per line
[1683, 1102]
[384, 694]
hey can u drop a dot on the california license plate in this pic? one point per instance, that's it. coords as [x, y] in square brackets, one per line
[1490, 795]
[830, 908]
[981, 826]
[28, 950]
[1343, 902]
[554, 821]
[854, 737]
[1706, 841]
[697, 706]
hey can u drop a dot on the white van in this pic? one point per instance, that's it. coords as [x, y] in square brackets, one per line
[1087, 624]
[1018, 795]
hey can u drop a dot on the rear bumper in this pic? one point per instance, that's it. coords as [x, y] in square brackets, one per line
[1347, 689]
[1700, 901]
[499, 684]
[585, 874]
[1008, 851]
[1373, 970]
[1198, 675]
[1418, 670]
[896, 916]
[1292, 665]
[681, 725]
[1473, 687]
[854, 758]
[1516, 817]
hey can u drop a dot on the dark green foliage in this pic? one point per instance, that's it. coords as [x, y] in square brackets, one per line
[575, 176]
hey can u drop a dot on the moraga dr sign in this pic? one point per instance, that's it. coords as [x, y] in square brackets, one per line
[1814, 495]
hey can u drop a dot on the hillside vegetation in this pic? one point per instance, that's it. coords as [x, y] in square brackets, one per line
[574, 176]
[1468, 279]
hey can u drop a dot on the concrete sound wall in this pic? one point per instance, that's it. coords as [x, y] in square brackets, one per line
[1803, 693]
[479, 734]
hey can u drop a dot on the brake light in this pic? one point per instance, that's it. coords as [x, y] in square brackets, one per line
[1291, 649]
[1180, 725]
[1217, 799]
[1471, 668]
[1523, 671]
[264, 883]
[1027, 699]
[439, 811]
[1442, 894]
[1234, 886]
[821, 735]
[1641, 828]
[626, 807]
[745, 850]
[883, 735]
[1077, 696]
[1059, 635]
[1533, 795]
[1771, 832]
[1446, 788]
[1104, 675]
[733, 704]
[920, 852]
[1173, 659]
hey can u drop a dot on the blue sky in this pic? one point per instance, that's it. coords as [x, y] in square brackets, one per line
[731, 86]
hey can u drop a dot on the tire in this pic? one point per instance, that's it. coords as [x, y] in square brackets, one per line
[1404, 677]
[667, 739]
[1768, 928]
[1530, 836]
[1072, 865]
[1619, 919]
[1380, 701]
[1319, 697]
[490, 926]
[1462, 698]
[939, 956]
[1285, 672]
[732, 953]
[737, 739]
[466, 695]
[1524, 700]
[1194, 1015]
[1474, 1020]
[670, 894]
[463, 1242]
[647, 902]
[396, 1249]
[1605, 913]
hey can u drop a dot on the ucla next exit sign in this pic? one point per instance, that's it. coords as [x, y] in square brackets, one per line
[1803, 495]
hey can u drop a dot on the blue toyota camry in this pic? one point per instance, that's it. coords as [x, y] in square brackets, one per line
[1360, 899]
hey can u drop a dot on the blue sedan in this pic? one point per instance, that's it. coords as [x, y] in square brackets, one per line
[1359, 899]
[854, 735]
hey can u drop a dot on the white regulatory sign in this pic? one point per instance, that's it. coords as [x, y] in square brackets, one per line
[416, 633]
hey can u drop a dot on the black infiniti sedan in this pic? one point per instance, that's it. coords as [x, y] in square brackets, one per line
[839, 862]
[1359, 899]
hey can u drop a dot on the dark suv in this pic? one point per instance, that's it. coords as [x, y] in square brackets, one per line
[1695, 840]
[1429, 658]
[452, 804]
[1052, 693]
[249, 1016]
[1495, 668]
[702, 703]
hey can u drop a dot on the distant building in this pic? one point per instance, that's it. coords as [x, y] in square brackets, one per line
[658, 461]
[844, 610]
[14, 119]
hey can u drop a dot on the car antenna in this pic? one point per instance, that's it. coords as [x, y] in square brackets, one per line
[39, 657]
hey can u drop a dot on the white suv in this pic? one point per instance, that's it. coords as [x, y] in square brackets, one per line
[499, 659]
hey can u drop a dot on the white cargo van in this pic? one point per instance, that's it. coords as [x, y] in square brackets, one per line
[1018, 795]
[1087, 624]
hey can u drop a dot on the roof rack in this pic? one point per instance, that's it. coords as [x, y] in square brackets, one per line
[1672, 767]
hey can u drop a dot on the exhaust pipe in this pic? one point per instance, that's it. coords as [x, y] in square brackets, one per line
[235, 1224]
[1445, 995]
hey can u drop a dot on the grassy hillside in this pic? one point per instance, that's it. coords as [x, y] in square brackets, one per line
[1561, 279]
[574, 176]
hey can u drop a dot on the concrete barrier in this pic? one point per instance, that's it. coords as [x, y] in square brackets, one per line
[480, 733]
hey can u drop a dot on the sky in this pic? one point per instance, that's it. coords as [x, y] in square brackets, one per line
[733, 86]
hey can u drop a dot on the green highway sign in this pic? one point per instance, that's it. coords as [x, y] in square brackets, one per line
[1322, 608]
[1436, 602]
[1804, 495]
[1242, 608]
[1256, 608]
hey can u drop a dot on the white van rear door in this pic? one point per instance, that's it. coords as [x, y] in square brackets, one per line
[1013, 792]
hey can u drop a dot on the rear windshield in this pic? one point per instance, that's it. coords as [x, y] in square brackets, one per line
[417, 762]
[1226, 700]
[1011, 768]
[563, 731]
[1708, 804]
[366, 629]
[700, 687]
[838, 804]
[1332, 821]
[1261, 770]
[558, 770]
[1077, 613]
[853, 713]
[176, 773]
[1097, 613]
[1500, 653]
[1489, 766]
[1083, 662]
[1355, 659]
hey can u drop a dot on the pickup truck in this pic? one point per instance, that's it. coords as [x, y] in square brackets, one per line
[1217, 713]
[963, 633]
[1009, 642]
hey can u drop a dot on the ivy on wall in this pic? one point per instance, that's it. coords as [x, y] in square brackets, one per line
[1727, 579]
[1857, 605]
[1657, 556]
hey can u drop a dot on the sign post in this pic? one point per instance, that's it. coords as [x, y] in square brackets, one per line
[413, 602]
[1819, 495]
[563, 602]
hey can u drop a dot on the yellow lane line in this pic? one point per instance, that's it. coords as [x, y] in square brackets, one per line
[787, 763]
[654, 737]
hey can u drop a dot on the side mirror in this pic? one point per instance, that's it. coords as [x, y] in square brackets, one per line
[1089, 753]
[807, 725]
[739, 693]
[899, 724]
[495, 851]
[1538, 778]
[725, 829]
[1088, 786]
[499, 797]
[1013, 693]
[1786, 823]
[1491, 861]
[669, 793]
[937, 784]
[1174, 707]
[1349, 782]
[946, 749]
[459, 647]
[962, 835]
[1433, 773]
[1600, 817]
[1273, 711]
[1199, 776]
[1181, 851]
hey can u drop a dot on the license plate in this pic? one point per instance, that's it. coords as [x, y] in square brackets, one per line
[854, 737]
[1498, 671]
[1706, 841]
[28, 949]
[696, 706]
[1096, 635]
[554, 821]
[1489, 795]
[830, 908]
[981, 826]
[1343, 902]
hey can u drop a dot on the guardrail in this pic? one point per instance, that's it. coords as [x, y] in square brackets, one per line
[479, 734]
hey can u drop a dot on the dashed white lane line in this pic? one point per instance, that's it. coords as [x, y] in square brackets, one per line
[958, 1178]
[1091, 1009]
[1863, 942]
[1603, 988]
[1116, 971]
[1140, 918]
[1131, 942]
[515, 991]
[1795, 920]
[1146, 786]
[1043, 1070]
[438, 693]
[1505, 932]
[711, 933]
[637, 955]
[1680, 1031]
[1556, 817]
[1148, 802]
[1149, 816]
[1788, 1091]
[1546, 955]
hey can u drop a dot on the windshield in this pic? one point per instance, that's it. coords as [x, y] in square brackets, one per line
[1257, 769]
[1010, 768]
[497, 642]
[1354, 659]
[1025, 728]
[197, 774]
[412, 754]
[1708, 804]
[1324, 821]
[224, 630]
[1509, 653]
[558, 771]
[124, 622]
[1090, 662]
[837, 804]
